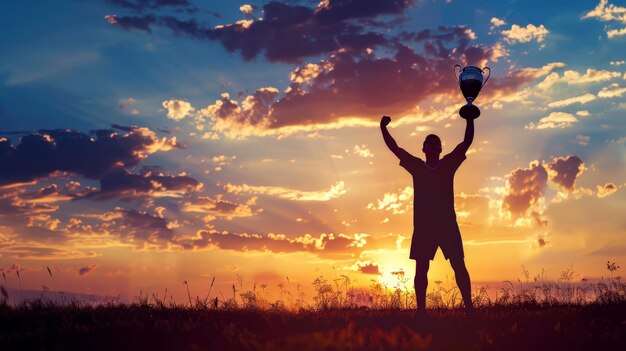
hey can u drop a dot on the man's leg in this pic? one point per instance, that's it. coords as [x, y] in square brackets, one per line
[463, 281]
[421, 282]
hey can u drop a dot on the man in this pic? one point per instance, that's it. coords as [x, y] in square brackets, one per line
[434, 219]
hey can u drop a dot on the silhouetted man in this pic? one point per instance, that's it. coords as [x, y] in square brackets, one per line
[434, 219]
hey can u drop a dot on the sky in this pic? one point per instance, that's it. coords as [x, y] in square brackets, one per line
[147, 143]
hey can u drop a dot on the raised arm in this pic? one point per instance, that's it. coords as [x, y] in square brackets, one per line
[469, 136]
[391, 143]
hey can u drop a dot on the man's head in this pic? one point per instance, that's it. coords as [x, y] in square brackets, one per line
[432, 146]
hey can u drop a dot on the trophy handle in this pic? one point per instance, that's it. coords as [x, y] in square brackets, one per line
[456, 75]
[488, 75]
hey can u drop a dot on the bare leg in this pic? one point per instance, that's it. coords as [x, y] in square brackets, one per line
[463, 282]
[421, 283]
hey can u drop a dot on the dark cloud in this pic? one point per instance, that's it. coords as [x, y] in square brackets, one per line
[40, 154]
[368, 86]
[46, 191]
[369, 268]
[341, 10]
[87, 269]
[565, 170]
[121, 183]
[363, 84]
[141, 228]
[525, 186]
[140, 23]
[211, 208]
[541, 241]
[287, 32]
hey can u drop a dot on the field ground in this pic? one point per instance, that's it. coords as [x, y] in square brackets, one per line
[595, 326]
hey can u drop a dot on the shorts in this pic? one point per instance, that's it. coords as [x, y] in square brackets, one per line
[425, 242]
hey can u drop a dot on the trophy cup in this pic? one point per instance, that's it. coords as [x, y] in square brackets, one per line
[471, 79]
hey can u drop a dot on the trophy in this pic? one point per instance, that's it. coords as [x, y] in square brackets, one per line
[471, 79]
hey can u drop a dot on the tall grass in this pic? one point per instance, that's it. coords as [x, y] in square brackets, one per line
[339, 292]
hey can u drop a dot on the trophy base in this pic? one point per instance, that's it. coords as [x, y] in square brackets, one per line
[469, 111]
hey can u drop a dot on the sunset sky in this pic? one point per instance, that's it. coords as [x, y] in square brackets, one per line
[150, 142]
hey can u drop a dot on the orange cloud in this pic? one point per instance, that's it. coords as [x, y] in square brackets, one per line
[524, 188]
[212, 208]
[335, 191]
[606, 189]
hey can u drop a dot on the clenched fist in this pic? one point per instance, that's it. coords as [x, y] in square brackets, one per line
[385, 121]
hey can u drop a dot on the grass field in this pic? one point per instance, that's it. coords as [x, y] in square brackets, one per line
[144, 327]
[528, 314]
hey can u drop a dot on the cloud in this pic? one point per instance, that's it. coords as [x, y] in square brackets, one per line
[524, 188]
[554, 120]
[583, 113]
[347, 86]
[212, 208]
[44, 253]
[328, 245]
[582, 139]
[366, 267]
[139, 228]
[396, 203]
[12, 203]
[87, 269]
[616, 33]
[139, 23]
[41, 154]
[48, 194]
[525, 34]
[471, 209]
[571, 77]
[246, 9]
[122, 183]
[363, 151]
[177, 109]
[607, 189]
[335, 191]
[341, 91]
[539, 221]
[496, 22]
[610, 13]
[126, 105]
[222, 160]
[541, 241]
[611, 91]
[230, 118]
[303, 31]
[563, 171]
[582, 99]
[342, 88]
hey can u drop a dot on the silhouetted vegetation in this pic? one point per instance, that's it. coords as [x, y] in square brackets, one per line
[528, 313]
